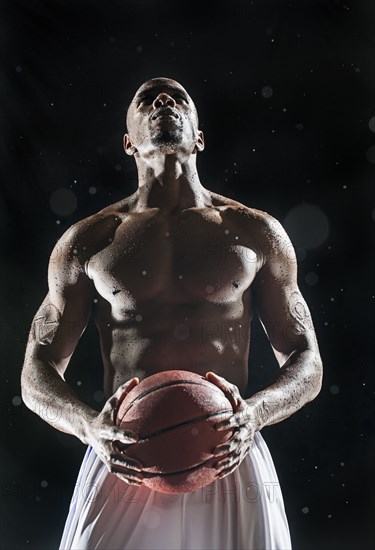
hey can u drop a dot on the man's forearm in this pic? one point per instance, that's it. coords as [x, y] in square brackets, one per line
[298, 382]
[46, 393]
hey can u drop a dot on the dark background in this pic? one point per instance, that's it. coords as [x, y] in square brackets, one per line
[285, 92]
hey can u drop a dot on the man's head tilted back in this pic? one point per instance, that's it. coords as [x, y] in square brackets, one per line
[162, 117]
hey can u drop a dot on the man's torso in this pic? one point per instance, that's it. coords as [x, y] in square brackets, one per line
[173, 291]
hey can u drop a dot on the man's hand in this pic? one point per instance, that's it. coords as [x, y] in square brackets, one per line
[104, 435]
[244, 425]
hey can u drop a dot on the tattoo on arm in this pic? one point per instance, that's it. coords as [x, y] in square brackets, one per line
[45, 324]
[299, 312]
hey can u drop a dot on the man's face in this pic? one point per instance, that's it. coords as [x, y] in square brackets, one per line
[162, 116]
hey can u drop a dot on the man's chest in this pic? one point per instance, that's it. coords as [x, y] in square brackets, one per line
[192, 257]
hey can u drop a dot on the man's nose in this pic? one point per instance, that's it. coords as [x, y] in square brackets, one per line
[163, 99]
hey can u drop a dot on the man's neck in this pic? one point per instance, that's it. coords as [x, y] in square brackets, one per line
[170, 183]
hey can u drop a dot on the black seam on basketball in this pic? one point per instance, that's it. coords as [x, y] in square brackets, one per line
[165, 385]
[185, 423]
[150, 475]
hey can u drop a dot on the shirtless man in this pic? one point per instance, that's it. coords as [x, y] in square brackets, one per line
[172, 276]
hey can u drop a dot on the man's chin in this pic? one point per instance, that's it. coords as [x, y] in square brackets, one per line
[169, 149]
[167, 143]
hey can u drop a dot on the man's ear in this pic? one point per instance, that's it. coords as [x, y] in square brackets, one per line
[128, 146]
[199, 143]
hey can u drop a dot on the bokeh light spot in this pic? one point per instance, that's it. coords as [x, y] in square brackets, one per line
[371, 124]
[307, 225]
[16, 401]
[311, 278]
[98, 396]
[267, 92]
[370, 154]
[63, 201]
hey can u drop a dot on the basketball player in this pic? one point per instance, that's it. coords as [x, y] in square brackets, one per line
[172, 276]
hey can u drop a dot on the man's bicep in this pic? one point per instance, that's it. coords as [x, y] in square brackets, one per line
[64, 313]
[278, 301]
[57, 328]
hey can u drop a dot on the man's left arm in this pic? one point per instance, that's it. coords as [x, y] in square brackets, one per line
[286, 319]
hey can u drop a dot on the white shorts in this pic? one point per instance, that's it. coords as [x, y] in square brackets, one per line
[244, 510]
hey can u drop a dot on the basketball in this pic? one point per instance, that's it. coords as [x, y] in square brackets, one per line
[173, 412]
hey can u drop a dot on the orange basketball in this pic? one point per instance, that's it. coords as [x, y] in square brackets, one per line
[173, 412]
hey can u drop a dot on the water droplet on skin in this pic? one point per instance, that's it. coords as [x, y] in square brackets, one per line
[144, 272]
[218, 345]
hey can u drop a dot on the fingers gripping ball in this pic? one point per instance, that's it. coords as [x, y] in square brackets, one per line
[174, 413]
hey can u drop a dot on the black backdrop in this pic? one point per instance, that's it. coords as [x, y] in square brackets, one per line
[285, 91]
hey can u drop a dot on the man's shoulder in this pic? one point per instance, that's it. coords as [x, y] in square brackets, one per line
[96, 225]
[262, 230]
[88, 235]
[243, 212]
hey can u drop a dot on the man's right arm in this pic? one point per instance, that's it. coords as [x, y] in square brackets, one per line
[55, 332]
